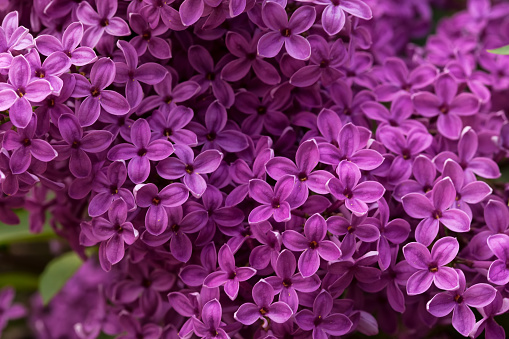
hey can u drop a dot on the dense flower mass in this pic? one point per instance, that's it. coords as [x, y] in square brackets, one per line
[261, 168]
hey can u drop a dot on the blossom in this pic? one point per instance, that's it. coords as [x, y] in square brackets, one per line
[211, 320]
[498, 272]
[274, 201]
[431, 267]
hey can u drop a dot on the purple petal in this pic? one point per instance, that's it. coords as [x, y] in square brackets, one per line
[441, 305]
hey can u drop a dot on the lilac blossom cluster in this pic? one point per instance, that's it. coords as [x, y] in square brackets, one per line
[260, 168]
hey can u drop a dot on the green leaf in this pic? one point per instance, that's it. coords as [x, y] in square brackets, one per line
[501, 51]
[56, 274]
[21, 233]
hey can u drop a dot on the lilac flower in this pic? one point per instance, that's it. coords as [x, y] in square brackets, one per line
[447, 105]
[51, 69]
[321, 320]
[307, 158]
[312, 245]
[153, 10]
[181, 247]
[435, 210]
[201, 60]
[14, 38]
[286, 283]
[136, 330]
[100, 22]
[492, 330]
[130, 74]
[190, 168]
[8, 310]
[324, 63]
[169, 94]
[76, 145]
[141, 151]
[274, 201]
[268, 252]
[424, 172]
[245, 51]
[209, 326]
[284, 31]
[147, 195]
[96, 97]
[108, 187]
[345, 270]
[11, 182]
[228, 274]
[169, 124]
[400, 80]
[406, 148]
[25, 145]
[349, 144]
[148, 38]
[459, 300]
[498, 272]
[115, 231]
[358, 227]
[26, 90]
[431, 267]
[263, 295]
[356, 195]
[79, 56]
[194, 275]
[472, 165]
[466, 193]
[214, 135]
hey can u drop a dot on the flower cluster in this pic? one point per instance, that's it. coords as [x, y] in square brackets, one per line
[261, 168]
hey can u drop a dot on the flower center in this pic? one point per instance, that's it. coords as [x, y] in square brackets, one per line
[75, 144]
[444, 109]
[302, 176]
[313, 245]
[458, 298]
[189, 169]
[20, 92]
[324, 64]
[433, 268]
[156, 201]
[175, 228]
[104, 22]
[276, 203]
[113, 189]
[211, 136]
[95, 92]
[286, 32]
[437, 214]
[26, 142]
[261, 110]
[211, 76]
[147, 36]
[39, 73]
[348, 193]
[406, 154]
[350, 229]
[264, 311]
[168, 132]
[142, 152]
[287, 283]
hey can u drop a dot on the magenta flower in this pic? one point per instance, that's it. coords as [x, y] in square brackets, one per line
[459, 300]
[321, 320]
[228, 274]
[114, 231]
[79, 56]
[356, 195]
[194, 275]
[9, 310]
[498, 272]
[169, 124]
[209, 326]
[435, 210]
[431, 267]
[141, 151]
[190, 168]
[148, 38]
[263, 296]
[25, 146]
[100, 22]
[274, 201]
[147, 195]
[51, 69]
[312, 245]
[286, 32]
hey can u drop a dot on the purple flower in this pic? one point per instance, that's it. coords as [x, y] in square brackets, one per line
[498, 272]
[447, 105]
[358, 227]
[209, 326]
[153, 10]
[108, 188]
[266, 253]
[324, 63]
[96, 97]
[114, 231]
[214, 134]
[79, 56]
[77, 144]
[274, 201]
[209, 75]
[141, 151]
[459, 300]
[312, 245]
[190, 168]
[130, 74]
[286, 283]
[321, 320]
[435, 210]
[228, 274]
[356, 195]
[287, 32]
[147, 195]
[334, 17]
[491, 329]
[307, 158]
[194, 275]
[424, 172]
[431, 267]
[263, 295]
[345, 270]
[51, 69]
[26, 90]
[8, 310]
[100, 22]
[24, 145]
[148, 38]
[245, 51]
[168, 123]
[399, 80]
